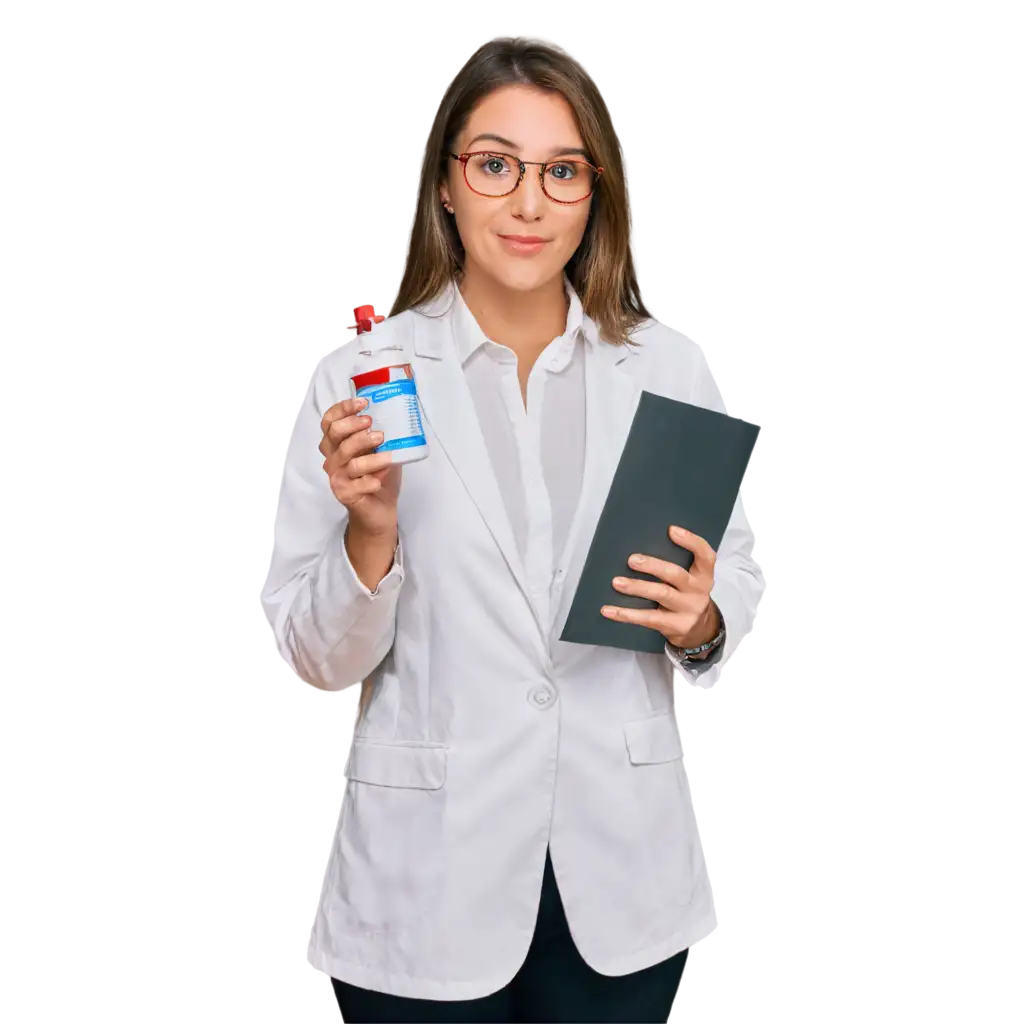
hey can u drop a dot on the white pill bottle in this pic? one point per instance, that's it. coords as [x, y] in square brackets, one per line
[392, 400]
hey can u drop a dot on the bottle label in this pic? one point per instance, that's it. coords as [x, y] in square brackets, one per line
[392, 404]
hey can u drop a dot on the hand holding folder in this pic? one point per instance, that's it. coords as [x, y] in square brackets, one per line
[682, 464]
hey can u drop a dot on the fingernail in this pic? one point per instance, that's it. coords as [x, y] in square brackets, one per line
[636, 560]
[619, 581]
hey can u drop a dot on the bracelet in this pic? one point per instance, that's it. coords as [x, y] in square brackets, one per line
[687, 653]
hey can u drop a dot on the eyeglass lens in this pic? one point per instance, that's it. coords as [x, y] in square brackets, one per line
[496, 174]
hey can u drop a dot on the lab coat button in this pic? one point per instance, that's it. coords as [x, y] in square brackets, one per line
[542, 696]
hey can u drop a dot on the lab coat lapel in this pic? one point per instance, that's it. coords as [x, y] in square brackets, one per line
[448, 407]
[611, 402]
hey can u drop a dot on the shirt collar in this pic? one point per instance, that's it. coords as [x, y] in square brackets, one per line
[469, 337]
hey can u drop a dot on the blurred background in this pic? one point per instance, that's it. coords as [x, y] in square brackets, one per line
[826, 197]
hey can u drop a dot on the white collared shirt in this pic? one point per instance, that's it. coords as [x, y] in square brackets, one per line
[536, 451]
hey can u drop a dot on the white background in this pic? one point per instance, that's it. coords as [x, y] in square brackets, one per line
[187, 211]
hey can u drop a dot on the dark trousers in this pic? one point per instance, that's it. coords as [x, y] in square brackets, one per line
[553, 984]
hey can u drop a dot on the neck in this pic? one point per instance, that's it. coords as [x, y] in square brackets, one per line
[525, 322]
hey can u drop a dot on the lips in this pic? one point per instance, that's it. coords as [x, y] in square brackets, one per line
[520, 247]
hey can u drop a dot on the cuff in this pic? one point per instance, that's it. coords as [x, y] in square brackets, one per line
[705, 673]
[340, 598]
[390, 581]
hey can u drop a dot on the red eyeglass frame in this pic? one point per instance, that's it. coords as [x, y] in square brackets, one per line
[463, 158]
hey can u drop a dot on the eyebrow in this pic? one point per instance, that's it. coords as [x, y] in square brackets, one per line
[557, 151]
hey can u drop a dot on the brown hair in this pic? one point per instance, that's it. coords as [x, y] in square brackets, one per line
[601, 270]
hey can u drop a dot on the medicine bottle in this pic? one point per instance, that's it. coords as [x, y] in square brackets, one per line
[392, 400]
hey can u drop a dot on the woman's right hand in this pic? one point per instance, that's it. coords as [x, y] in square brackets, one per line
[365, 482]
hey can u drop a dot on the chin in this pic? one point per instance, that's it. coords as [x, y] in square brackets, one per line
[523, 275]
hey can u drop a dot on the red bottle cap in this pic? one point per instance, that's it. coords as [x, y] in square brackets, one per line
[365, 319]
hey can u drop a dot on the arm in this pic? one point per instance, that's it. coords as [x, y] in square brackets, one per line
[739, 582]
[329, 626]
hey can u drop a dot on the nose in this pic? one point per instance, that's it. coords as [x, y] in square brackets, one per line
[529, 199]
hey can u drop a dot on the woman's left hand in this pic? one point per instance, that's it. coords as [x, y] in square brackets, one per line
[687, 616]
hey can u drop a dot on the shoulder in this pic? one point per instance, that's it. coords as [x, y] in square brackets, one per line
[665, 360]
[660, 341]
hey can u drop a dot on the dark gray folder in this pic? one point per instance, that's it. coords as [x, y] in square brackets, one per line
[682, 464]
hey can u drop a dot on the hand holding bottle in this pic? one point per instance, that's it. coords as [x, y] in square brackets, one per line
[367, 483]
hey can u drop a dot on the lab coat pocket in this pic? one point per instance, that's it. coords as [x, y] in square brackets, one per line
[390, 838]
[669, 849]
[653, 740]
[413, 764]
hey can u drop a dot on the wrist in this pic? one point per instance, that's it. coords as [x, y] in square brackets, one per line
[374, 537]
[712, 624]
[706, 629]
[694, 650]
[371, 553]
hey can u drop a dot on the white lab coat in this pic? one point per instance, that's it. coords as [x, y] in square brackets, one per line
[484, 737]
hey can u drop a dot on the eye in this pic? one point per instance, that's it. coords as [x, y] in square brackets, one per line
[567, 169]
[491, 164]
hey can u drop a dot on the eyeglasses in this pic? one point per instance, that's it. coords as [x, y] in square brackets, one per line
[490, 174]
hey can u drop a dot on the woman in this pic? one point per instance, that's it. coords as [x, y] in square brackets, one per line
[489, 756]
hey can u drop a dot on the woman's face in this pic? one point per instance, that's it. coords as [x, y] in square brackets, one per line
[537, 126]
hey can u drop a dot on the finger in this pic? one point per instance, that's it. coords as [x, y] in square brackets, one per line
[670, 572]
[663, 593]
[363, 464]
[346, 426]
[346, 407]
[703, 553]
[652, 618]
[349, 491]
[340, 430]
[326, 447]
[359, 443]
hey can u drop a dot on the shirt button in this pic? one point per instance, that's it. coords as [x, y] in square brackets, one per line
[542, 696]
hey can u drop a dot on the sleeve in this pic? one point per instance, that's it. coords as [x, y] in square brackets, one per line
[328, 626]
[739, 581]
